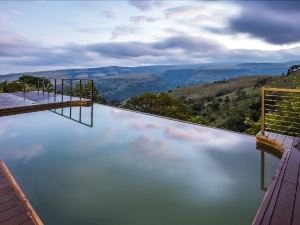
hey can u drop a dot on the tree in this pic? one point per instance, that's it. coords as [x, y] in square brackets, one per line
[85, 91]
[160, 104]
[253, 126]
[293, 69]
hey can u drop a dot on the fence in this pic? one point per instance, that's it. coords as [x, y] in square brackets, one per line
[281, 111]
[81, 88]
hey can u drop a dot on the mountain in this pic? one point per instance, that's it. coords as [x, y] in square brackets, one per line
[121, 83]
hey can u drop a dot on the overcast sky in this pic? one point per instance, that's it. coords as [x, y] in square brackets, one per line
[43, 35]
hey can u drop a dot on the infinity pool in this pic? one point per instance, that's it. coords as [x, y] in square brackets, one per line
[132, 169]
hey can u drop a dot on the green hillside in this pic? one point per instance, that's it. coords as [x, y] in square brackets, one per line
[231, 104]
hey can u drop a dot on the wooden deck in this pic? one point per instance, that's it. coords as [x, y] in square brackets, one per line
[14, 207]
[14, 103]
[281, 204]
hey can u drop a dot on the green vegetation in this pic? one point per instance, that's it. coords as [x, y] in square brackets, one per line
[232, 104]
[160, 104]
[25, 82]
[30, 83]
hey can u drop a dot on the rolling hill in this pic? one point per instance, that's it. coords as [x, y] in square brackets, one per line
[227, 104]
[120, 83]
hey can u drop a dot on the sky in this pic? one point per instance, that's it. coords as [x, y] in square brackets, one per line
[49, 35]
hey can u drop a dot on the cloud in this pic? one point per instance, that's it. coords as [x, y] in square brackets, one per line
[122, 30]
[158, 48]
[188, 43]
[211, 14]
[108, 14]
[276, 22]
[17, 50]
[146, 5]
[14, 44]
[89, 30]
[122, 49]
[149, 19]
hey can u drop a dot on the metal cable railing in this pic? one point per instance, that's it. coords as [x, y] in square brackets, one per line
[281, 111]
[81, 88]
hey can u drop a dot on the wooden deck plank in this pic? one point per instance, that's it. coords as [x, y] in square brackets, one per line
[291, 174]
[296, 214]
[267, 133]
[272, 135]
[281, 204]
[288, 142]
[20, 219]
[15, 103]
[284, 207]
[280, 138]
[272, 195]
[296, 143]
[14, 207]
[8, 100]
[266, 208]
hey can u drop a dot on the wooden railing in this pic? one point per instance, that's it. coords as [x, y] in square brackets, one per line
[281, 111]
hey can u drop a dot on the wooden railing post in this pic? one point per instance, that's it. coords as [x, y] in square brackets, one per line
[263, 111]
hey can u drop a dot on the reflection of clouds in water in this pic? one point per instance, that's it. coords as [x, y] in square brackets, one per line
[110, 132]
[180, 131]
[24, 153]
[140, 125]
[163, 142]
[204, 135]
[13, 135]
[183, 135]
[153, 147]
[4, 125]
[125, 115]
[157, 154]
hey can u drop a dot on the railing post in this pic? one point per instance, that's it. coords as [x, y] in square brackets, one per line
[48, 86]
[62, 90]
[55, 86]
[263, 111]
[38, 84]
[79, 114]
[92, 90]
[71, 89]
[43, 85]
[24, 86]
[80, 89]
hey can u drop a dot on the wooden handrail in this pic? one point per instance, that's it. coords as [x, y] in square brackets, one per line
[288, 90]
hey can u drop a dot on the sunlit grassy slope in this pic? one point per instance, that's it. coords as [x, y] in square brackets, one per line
[227, 104]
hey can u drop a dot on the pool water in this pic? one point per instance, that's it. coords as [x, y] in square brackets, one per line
[132, 169]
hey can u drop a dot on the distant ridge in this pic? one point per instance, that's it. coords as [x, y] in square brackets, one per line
[120, 83]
